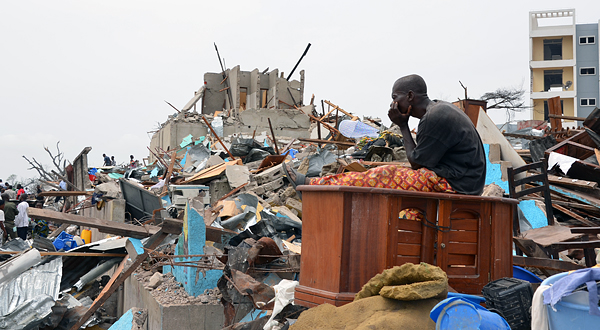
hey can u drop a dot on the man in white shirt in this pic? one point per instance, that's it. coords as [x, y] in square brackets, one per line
[22, 219]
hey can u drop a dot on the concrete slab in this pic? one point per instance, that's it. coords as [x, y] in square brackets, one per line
[237, 175]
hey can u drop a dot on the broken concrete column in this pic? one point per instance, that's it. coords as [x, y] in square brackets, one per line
[192, 241]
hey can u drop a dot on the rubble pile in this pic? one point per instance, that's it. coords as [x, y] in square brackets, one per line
[212, 219]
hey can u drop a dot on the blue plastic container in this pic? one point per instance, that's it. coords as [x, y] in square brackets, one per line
[572, 312]
[64, 242]
[525, 275]
[456, 313]
[474, 299]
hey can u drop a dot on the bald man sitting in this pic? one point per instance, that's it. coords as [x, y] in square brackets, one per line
[448, 155]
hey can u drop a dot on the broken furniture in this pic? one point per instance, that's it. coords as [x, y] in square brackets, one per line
[547, 241]
[350, 234]
[581, 147]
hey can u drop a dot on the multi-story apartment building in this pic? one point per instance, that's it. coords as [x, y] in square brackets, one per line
[564, 60]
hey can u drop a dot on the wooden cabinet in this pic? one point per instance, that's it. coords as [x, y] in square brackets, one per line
[350, 234]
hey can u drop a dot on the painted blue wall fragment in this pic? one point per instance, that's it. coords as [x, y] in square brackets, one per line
[536, 217]
[192, 241]
[137, 244]
[124, 323]
[493, 171]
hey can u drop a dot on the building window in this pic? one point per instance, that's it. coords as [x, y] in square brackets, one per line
[552, 49]
[587, 71]
[587, 40]
[553, 79]
[587, 102]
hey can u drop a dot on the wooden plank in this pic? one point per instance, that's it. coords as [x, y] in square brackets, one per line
[461, 259]
[555, 109]
[64, 193]
[548, 235]
[72, 254]
[561, 180]
[335, 107]
[409, 225]
[574, 215]
[409, 249]
[465, 224]
[462, 236]
[118, 278]
[58, 230]
[408, 237]
[400, 260]
[566, 117]
[105, 226]
[462, 248]
[545, 263]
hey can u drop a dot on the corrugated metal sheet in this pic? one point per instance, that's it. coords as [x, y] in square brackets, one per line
[29, 297]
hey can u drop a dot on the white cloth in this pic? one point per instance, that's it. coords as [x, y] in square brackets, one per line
[62, 185]
[564, 162]
[284, 295]
[539, 311]
[2, 215]
[22, 219]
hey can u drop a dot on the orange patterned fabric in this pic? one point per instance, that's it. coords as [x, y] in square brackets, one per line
[393, 177]
[389, 176]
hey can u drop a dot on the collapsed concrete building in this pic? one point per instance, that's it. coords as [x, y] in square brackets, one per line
[244, 100]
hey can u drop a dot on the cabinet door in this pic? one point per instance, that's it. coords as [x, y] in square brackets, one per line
[464, 244]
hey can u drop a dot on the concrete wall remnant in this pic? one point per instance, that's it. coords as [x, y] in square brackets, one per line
[246, 99]
[191, 242]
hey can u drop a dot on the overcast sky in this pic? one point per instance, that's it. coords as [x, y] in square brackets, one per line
[96, 73]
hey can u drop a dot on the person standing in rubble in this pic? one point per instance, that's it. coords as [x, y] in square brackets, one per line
[447, 157]
[11, 193]
[22, 219]
[4, 233]
[10, 212]
[132, 162]
[107, 161]
[113, 162]
[20, 190]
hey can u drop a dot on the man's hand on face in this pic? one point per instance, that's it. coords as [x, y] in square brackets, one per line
[396, 116]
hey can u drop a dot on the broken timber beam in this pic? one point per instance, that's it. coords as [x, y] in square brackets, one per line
[65, 193]
[342, 143]
[119, 278]
[335, 107]
[105, 226]
[566, 117]
[545, 263]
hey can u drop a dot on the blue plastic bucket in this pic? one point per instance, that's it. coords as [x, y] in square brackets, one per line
[525, 275]
[572, 312]
[456, 313]
[469, 297]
